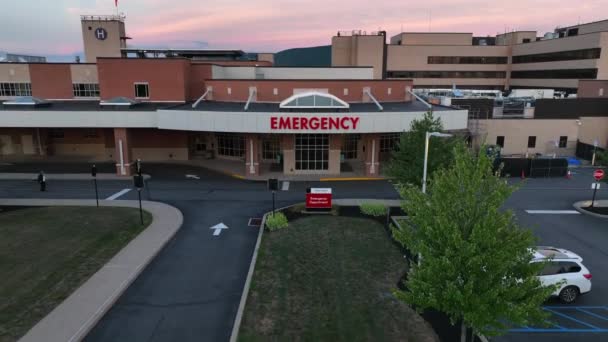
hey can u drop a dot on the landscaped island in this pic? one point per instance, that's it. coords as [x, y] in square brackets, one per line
[48, 252]
[329, 278]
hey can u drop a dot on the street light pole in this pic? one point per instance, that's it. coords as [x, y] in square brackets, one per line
[427, 139]
[426, 157]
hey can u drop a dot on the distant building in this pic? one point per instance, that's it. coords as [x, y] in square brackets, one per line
[17, 58]
[520, 59]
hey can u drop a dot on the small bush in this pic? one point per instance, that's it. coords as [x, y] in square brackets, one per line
[373, 209]
[276, 221]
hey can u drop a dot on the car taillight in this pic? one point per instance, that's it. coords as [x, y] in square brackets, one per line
[588, 276]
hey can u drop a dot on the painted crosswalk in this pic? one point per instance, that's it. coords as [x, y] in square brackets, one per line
[118, 194]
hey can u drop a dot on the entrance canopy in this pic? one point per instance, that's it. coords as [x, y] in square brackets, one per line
[313, 100]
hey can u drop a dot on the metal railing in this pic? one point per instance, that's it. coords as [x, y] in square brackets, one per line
[114, 17]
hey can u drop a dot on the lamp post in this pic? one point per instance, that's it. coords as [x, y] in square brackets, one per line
[426, 153]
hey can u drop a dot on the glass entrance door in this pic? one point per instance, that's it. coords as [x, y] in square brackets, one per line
[312, 151]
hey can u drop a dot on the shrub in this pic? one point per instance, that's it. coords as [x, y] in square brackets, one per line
[373, 209]
[276, 221]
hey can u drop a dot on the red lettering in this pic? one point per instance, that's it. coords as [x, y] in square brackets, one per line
[355, 121]
[304, 123]
[314, 123]
[295, 123]
[284, 123]
[334, 123]
[343, 123]
[273, 122]
[324, 122]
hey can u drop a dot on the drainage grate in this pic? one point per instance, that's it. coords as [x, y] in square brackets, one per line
[254, 222]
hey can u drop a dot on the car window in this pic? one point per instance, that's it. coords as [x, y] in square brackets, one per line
[550, 269]
[569, 267]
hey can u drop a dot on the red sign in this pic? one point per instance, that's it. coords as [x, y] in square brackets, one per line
[313, 123]
[598, 174]
[318, 198]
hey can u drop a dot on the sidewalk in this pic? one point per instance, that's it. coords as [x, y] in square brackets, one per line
[79, 313]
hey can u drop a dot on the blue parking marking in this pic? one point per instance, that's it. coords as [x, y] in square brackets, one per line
[593, 314]
[565, 312]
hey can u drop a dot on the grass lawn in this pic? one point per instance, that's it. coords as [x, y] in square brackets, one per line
[46, 253]
[329, 278]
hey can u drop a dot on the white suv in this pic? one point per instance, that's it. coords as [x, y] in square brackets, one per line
[564, 268]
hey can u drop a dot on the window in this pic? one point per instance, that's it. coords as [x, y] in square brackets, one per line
[142, 91]
[573, 32]
[559, 56]
[229, 91]
[526, 40]
[446, 74]
[563, 141]
[558, 74]
[312, 152]
[389, 142]
[500, 141]
[350, 145]
[230, 145]
[271, 147]
[56, 133]
[313, 100]
[389, 91]
[569, 267]
[85, 89]
[600, 92]
[345, 92]
[466, 60]
[15, 89]
[531, 142]
[551, 268]
[275, 91]
[91, 133]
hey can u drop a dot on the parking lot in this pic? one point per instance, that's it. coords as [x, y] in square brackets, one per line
[198, 275]
[556, 225]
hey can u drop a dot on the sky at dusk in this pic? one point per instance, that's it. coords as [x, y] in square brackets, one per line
[52, 27]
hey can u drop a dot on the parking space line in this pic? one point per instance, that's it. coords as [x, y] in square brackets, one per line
[572, 319]
[593, 314]
[555, 212]
[118, 194]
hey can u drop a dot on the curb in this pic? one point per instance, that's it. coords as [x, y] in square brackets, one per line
[579, 207]
[339, 179]
[234, 335]
[239, 314]
[74, 318]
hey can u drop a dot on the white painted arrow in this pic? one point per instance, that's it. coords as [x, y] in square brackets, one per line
[193, 176]
[218, 228]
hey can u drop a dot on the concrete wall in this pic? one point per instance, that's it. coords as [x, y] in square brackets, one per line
[594, 128]
[110, 47]
[359, 51]
[158, 145]
[517, 131]
[593, 88]
[266, 57]
[14, 72]
[84, 73]
[433, 38]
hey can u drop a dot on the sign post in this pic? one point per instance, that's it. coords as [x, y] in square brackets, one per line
[318, 199]
[138, 181]
[598, 175]
[273, 185]
[94, 174]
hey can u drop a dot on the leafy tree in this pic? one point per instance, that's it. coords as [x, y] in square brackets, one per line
[601, 157]
[407, 161]
[475, 260]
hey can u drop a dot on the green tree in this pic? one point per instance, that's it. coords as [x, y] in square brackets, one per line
[475, 259]
[601, 157]
[407, 160]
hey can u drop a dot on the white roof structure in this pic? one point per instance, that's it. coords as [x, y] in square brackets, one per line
[314, 99]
